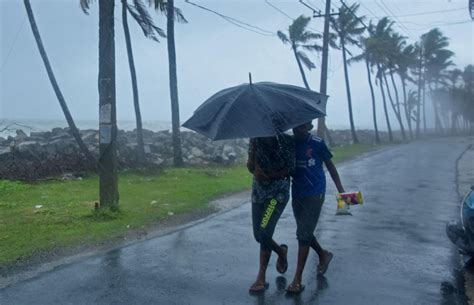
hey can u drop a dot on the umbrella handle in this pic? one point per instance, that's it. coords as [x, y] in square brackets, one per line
[250, 78]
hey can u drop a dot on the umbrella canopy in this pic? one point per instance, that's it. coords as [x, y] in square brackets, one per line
[256, 110]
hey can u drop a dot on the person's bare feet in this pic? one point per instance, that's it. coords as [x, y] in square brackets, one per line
[295, 288]
[324, 262]
[258, 286]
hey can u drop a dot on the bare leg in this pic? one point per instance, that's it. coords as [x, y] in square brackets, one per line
[259, 283]
[303, 252]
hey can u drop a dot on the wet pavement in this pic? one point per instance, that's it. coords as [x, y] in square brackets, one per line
[393, 250]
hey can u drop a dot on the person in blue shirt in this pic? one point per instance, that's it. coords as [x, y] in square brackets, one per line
[308, 190]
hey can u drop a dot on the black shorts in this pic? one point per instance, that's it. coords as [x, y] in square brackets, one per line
[269, 199]
[307, 211]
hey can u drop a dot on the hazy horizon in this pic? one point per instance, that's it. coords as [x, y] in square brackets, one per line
[212, 54]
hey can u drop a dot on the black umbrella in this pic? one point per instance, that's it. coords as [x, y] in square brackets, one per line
[256, 110]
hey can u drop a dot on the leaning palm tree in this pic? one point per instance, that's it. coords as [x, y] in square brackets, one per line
[348, 28]
[172, 13]
[140, 14]
[298, 37]
[405, 60]
[380, 35]
[367, 45]
[454, 75]
[437, 59]
[397, 42]
[62, 102]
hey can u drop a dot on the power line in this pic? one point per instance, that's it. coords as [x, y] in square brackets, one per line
[236, 22]
[13, 44]
[278, 9]
[431, 12]
[389, 12]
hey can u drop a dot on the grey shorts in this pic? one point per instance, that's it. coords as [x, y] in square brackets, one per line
[307, 211]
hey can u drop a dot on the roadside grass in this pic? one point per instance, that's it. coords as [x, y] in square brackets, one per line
[41, 217]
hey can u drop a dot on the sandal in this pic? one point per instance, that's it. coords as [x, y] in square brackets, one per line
[258, 288]
[323, 265]
[282, 262]
[295, 289]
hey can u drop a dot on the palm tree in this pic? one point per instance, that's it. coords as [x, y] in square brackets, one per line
[397, 43]
[454, 75]
[379, 36]
[172, 13]
[348, 28]
[366, 55]
[62, 102]
[406, 60]
[150, 30]
[298, 37]
[140, 14]
[437, 59]
[418, 70]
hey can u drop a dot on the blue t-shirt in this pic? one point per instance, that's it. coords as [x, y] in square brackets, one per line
[309, 178]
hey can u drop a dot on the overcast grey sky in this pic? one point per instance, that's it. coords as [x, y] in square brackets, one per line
[212, 54]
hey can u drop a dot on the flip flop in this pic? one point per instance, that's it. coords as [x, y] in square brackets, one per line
[282, 264]
[323, 268]
[295, 289]
[259, 290]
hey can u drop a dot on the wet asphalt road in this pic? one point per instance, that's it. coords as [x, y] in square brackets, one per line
[393, 250]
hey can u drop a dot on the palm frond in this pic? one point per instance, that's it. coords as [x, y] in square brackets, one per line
[162, 7]
[283, 37]
[312, 47]
[297, 28]
[305, 60]
[85, 5]
[140, 14]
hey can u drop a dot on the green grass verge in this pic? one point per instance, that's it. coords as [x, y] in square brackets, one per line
[67, 216]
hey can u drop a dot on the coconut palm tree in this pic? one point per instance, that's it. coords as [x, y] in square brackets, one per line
[379, 39]
[397, 43]
[139, 12]
[348, 28]
[298, 37]
[367, 44]
[454, 75]
[62, 102]
[405, 61]
[172, 13]
[437, 59]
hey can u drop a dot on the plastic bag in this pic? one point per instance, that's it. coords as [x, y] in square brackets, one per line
[345, 200]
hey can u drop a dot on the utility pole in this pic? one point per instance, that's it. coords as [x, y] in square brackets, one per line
[324, 64]
[108, 184]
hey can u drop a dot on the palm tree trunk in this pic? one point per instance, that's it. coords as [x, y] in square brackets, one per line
[109, 196]
[177, 152]
[418, 105]
[62, 102]
[374, 113]
[300, 66]
[390, 136]
[438, 124]
[400, 118]
[424, 106]
[407, 108]
[133, 75]
[348, 91]
[397, 115]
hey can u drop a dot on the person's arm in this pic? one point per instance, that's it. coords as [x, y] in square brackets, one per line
[334, 175]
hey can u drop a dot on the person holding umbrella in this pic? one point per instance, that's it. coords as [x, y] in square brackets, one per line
[308, 190]
[262, 111]
[271, 161]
